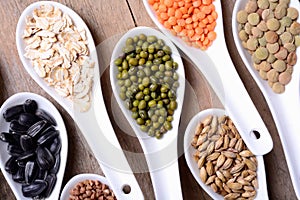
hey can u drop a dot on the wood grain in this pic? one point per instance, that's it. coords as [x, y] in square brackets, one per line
[107, 20]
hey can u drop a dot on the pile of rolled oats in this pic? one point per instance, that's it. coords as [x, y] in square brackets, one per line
[59, 54]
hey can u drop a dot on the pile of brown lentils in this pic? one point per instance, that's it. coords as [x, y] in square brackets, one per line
[270, 32]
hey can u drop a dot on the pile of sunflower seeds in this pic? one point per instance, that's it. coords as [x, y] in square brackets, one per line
[225, 162]
[59, 54]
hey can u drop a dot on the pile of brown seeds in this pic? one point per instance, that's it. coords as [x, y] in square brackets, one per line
[225, 162]
[270, 32]
[91, 189]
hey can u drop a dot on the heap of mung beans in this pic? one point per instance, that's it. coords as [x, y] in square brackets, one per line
[270, 32]
[148, 82]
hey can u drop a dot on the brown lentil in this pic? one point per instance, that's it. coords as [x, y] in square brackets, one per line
[278, 88]
[284, 77]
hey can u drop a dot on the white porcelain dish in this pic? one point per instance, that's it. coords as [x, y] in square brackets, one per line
[79, 178]
[46, 105]
[284, 107]
[161, 154]
[262, 192]
[218, 69]
[94, 124]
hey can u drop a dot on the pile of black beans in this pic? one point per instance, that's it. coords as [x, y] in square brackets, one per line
[34, 148]
[148, 83]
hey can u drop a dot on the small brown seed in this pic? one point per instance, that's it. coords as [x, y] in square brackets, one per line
[246, 153]
[205, 129]
[219, 183]
[201, 139]
[207, 120]
[237, 168]
[235, 186]
[213, 156]
[249, 178]
[203, 174]
[243, 182]
[203, 146]
[229, 154]
[201, 161]
[226, 141]
[239, 145]
[227, 174]
[232, 142]
[209, 169]
[210, 180]
[231, 196]
[227, 163]
[249, 194]
[221, 176]
[198, 129]
[250, 164]
[286, 37]
[248, 188]
[220, 161]
[214, 187]
[255, 183]
[219, 143]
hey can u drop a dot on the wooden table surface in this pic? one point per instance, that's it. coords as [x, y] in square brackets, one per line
[106, 19]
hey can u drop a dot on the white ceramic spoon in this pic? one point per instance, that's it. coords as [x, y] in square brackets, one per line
[46, 105]
[262, 193]
[79, 178]
[284, 107]
[94, 124]
[161, 154]
[219, 71]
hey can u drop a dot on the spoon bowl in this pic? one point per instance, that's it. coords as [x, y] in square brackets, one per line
[94, 124]
[46, 105]
[282, 106]
[190, 151]
[161, 154]
[79, 178]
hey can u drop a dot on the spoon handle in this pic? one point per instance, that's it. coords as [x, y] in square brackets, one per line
[163, 168]
[286, 118]
[237, 101]
[100, 135]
